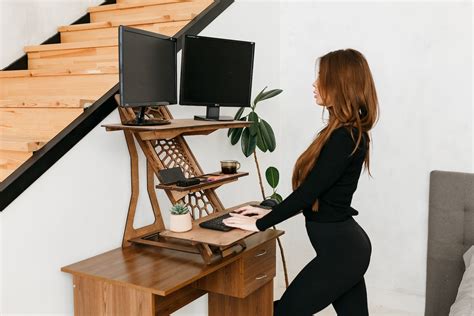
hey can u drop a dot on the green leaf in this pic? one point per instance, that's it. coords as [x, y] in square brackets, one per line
[238, 115]
[277, 197]
[254, 126]
[257, 98]
[260, 142]
[270, 94]
[248, 143]
[273, 176]
[234, 139]
[268, 135]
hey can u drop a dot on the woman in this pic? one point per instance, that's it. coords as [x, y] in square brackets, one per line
[324, 179]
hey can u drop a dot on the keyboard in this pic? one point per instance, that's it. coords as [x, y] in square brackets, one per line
[216, 223]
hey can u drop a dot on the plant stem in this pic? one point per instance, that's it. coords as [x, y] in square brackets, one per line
[285, 270]
[283, 260]
[259, 175]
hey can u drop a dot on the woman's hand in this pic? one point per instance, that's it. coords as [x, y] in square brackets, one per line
[252, 211]
[245, 217]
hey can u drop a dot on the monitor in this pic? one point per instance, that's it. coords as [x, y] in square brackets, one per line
[216, 72]
[148, 75]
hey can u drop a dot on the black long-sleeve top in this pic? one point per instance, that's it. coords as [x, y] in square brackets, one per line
[332, 181]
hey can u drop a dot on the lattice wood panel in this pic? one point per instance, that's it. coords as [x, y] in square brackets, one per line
[176, 152]
[171, 154]
[198, 203]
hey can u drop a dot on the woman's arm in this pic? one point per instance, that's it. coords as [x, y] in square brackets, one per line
[332, 161]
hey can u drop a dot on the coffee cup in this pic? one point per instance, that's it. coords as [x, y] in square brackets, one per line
[229, 166]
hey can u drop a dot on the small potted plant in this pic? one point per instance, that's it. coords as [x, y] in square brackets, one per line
[180, 218]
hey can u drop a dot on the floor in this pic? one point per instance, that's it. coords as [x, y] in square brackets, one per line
[389, 303]
[373, 311]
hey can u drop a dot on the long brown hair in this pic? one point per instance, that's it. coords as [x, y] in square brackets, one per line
[348, 91]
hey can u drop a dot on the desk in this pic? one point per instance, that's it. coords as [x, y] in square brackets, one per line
[141, 280]
[157, 277]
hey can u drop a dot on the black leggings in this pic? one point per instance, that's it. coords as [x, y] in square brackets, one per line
[335, 276]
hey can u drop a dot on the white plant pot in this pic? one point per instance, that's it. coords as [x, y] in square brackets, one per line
[180, 223]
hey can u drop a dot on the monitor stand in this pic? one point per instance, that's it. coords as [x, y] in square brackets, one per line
[140, 120]
[212, 114]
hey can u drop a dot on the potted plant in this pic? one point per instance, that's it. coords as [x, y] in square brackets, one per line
[180, 218]
[260, 135]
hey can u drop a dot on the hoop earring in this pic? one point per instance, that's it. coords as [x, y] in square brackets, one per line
[322, 115]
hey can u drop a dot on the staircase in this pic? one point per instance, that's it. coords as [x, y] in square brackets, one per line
[68, 86]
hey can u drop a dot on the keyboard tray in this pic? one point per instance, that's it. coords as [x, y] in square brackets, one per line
[210, 236]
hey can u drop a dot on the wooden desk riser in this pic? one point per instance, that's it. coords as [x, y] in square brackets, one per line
[158, 271]
[164, 146]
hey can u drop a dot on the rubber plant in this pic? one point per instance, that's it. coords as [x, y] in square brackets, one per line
[259, 135]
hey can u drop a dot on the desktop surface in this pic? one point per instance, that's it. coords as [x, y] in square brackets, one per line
[157, 270]
[176, 123]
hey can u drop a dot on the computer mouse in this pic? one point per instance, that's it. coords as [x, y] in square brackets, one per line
[269, 202]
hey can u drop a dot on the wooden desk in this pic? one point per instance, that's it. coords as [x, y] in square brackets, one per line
[141, 280]
[157, 277]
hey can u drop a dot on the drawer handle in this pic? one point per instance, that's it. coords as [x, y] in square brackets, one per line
[263, 276]
[261, 253]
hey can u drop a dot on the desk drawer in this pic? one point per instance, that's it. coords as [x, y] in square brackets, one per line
[258, 267]
[243, 276]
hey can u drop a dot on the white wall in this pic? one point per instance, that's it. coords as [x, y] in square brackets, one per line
[420, 56]
[30, 22]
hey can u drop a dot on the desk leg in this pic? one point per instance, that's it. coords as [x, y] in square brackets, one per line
[258, 303]
[96, 297]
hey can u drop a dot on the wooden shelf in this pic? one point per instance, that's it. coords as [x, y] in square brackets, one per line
[178, 127]
[205, 184]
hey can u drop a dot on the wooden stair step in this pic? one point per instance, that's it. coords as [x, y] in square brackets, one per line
[35, 123]
[24, 89]
[130, 1]
[72, 46]
[78, 70]
[82, 55]
[107, 24]
[164, 28]
[4, 173]
[147, 10]
[87, 54]
[20, 144]
[11, 160]
[132, 4]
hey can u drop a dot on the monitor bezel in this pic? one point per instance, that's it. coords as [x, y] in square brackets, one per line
[183, 52]
[122, 29]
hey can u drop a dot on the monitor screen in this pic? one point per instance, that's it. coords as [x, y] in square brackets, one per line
[147, 63]
[216, 71]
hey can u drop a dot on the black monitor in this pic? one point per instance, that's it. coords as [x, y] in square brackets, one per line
[216, 72]
[147, 63]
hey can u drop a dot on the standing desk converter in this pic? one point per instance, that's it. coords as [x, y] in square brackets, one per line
[157, 271]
